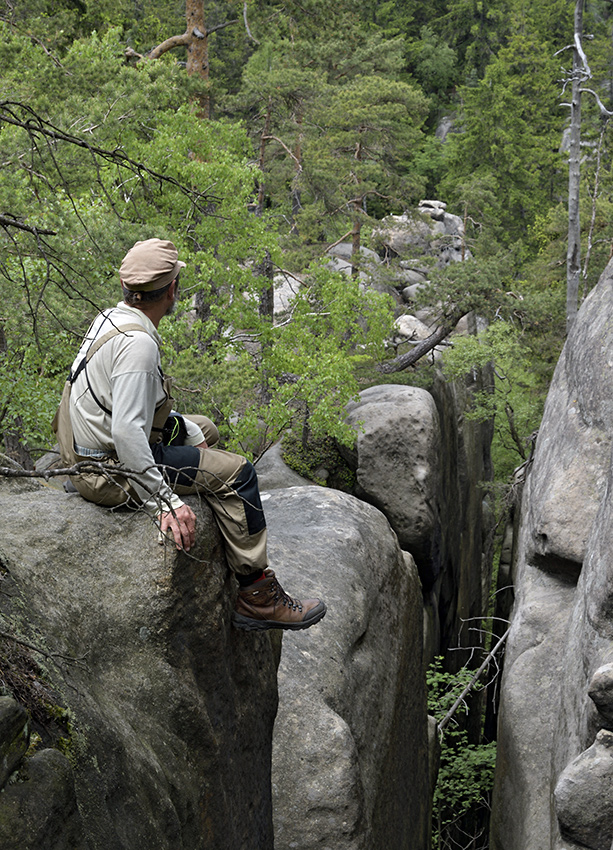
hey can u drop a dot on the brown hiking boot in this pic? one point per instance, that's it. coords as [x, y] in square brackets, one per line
[265, 605]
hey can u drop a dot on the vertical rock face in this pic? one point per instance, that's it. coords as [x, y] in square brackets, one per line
[350, 756]
[556, 692]
[171, 709]
[423, 468]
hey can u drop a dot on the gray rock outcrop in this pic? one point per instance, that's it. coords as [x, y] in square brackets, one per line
[398, 465]
[341, 255]
[171, 710]
[583, 795]
[39, 812]
[14, 736]
[425, 475]
[350, 755]
[273, 472]
[429, 232]
[556, 690]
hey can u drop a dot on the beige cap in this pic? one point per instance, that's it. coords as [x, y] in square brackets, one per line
[150, 265]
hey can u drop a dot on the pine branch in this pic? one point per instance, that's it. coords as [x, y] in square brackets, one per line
[6, 221]
[35, 126]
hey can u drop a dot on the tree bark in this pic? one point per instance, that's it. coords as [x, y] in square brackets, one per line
[198, 49]
[295, 192]
[356, 239]
[356, 234]
[263, 139]
[423, 347]
[267, 298]
[196, 39]
[573, 255]
[12, 431]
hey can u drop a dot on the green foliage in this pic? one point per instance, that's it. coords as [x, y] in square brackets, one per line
[477, 285]
[433, 62]
[513, 397]
[298, 372]
[466, 771]
[370, 125]
[512, 129]
[307, 459]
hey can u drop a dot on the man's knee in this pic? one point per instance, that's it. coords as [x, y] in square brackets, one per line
[247, 488]
[207, 426]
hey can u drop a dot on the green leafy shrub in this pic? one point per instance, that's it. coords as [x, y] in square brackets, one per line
[466, 771]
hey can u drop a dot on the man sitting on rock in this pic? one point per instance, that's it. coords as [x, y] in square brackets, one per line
[116, 410]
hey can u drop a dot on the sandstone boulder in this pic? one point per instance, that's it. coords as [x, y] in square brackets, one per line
[274, 473]
[350, 755]
[426, 475]
[39, 812]
[398, 465]
[429, 231]
[172, 710]
[14, 736]
[584, 795]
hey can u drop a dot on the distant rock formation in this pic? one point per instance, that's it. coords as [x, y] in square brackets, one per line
[419, 240]
[554, 778]
[428, 232]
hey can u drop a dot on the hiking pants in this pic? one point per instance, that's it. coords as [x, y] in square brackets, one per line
[230, 485]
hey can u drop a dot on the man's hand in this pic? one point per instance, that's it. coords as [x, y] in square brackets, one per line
[182, 523]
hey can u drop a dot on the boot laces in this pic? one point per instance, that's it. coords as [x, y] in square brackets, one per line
[284, 598]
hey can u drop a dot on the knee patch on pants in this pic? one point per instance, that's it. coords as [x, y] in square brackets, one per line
[246, 486]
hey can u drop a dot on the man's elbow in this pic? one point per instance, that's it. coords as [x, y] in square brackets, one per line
[126, 438]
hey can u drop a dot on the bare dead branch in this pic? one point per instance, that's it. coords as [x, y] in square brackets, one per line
[338, 241]
[590, 236]
[11, 112]
[579, 48]
[285, 148]
[218, 27]
[170, 43]
[247, 23]
[473, 681]
[604, 112]
[5, 221]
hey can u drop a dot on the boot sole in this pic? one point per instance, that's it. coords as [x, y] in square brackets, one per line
[248, 624]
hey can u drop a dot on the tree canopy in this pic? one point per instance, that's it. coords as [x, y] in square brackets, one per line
[256, 135]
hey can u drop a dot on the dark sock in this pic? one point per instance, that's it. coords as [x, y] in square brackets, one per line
[244, 581]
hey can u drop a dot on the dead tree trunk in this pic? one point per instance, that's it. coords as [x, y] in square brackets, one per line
[573, 255]
[423, 347]
[356, 233]
[11, 428]
[196, 40]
